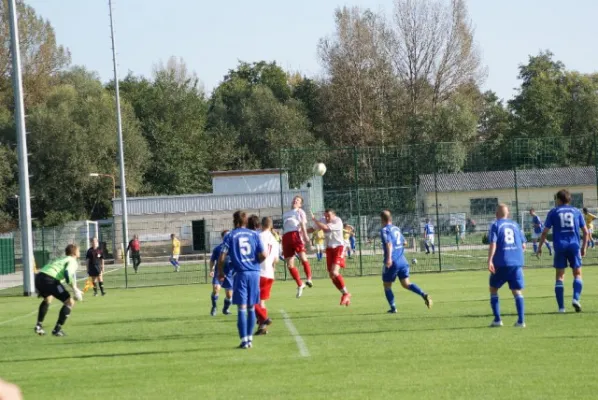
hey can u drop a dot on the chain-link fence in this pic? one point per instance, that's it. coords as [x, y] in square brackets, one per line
[454, 186]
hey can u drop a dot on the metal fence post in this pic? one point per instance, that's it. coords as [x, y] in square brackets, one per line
[514, 166]
[356, 162]
[434, 152]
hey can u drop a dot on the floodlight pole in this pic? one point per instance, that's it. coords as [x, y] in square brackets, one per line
[24, 194]
[121, 156]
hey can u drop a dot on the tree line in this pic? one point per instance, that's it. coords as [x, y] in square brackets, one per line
[409, 77]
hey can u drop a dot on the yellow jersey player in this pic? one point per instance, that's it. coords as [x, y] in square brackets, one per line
[589, 218]
[318, 241]
[175, 252]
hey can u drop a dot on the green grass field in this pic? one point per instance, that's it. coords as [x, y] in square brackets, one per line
[157, 343]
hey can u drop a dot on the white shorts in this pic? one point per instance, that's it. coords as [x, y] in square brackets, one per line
[430, 239]
[319, 247]
[174, 257]
[536, 235]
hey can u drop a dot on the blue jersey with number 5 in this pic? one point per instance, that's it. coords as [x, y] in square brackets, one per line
[565, 221]
[243, 246]
[392, 234]
[509, 243]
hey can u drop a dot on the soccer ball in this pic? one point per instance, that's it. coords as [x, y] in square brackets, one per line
[319, 169]
[414, 261]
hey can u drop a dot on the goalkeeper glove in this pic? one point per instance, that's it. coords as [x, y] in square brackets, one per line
[78, 294]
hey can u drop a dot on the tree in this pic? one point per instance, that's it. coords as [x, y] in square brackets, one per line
[71, 135]
[431, 45]
[359, 85]
[172, 113]
[41, 57]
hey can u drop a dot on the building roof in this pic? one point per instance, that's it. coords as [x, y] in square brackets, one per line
[269, 171]
[206, 203]
[492, 180]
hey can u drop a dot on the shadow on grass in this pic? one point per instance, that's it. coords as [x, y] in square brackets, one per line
[105, 355]
[400, 329]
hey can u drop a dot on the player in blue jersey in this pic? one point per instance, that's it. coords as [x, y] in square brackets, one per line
[537, 227]
[566, 222]
[227, 284]
[429, 236]
[505, 263]
[395, 263]
[246, 253]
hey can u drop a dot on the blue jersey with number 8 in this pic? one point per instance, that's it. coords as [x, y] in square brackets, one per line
[565, 221]
[509, 243]
[243, 246]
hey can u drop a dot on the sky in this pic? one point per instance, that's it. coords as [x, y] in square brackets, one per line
[212, 36]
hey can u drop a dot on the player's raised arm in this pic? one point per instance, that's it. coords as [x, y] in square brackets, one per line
[321, 225]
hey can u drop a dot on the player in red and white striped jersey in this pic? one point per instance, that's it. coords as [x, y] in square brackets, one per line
[271, 248]
[293, 242]
[332, 226]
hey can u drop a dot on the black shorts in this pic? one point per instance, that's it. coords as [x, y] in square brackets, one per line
[47, 286]
[94, 271]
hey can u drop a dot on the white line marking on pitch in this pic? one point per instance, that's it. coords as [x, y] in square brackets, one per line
[295, 333]
[17, 318]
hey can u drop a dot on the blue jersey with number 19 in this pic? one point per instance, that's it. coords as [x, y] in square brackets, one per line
[392, 234]
[509, 243]
[565, 221]
[243, 246]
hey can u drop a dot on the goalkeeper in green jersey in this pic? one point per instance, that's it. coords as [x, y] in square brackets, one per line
[49, 284]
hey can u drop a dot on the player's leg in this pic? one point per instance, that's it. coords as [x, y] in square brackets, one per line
[516, 284]
[335, 261]
[535, 243]
[575, 263]
[67, 305]
[426, 246]
[306, 268]
[495, 306]
[289, 241]
[214, 296]
[101, 283]
[253, 285]
[260, 311]
[240, 297]
[93, 275]
[432, 244]
[387, 279]
[560, 263]
[227, 285]
[403, 274]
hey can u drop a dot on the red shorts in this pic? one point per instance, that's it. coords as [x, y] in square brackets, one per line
[335, 256]
[265, 287]
[292, 244]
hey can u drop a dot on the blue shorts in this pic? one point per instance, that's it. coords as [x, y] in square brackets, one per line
[396, 270]
[570, 256]
[511, 275]
[246, 288]
[227, 284]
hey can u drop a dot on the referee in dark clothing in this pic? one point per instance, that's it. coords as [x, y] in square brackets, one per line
[95, 266]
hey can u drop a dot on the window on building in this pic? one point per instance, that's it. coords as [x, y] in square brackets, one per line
[482, 206]
[577, 200]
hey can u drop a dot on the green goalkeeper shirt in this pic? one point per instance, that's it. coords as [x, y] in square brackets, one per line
[62, 269]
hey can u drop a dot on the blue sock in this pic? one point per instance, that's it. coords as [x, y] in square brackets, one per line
[577, 288]
[559, 292]
[519, 304]
[427, 247]
[549, 248]
[173, 262]
[495, 307]
[536, 247]
[242, 324]
[214, 300]
[250, 323]
[390, 297]
[415, 289]
[227, 303]
[592, 242]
